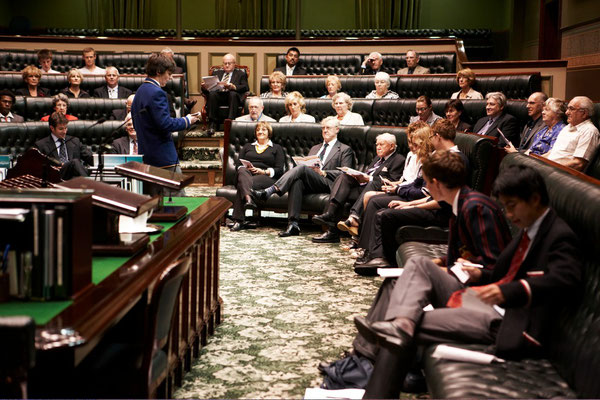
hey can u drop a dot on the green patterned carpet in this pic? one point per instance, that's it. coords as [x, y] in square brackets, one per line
[288, 304]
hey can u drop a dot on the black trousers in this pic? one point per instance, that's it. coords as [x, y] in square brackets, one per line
[346, 189]
[230, 98]
[298, 181]
[73, 168]
[245, 182]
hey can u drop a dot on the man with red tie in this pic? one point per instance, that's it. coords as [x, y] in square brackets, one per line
[509, 305]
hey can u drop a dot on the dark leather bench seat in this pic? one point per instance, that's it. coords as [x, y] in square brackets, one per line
[391, 112]
[84, 109]
[18, 137]
[441, 86]
[297, 139]
[126, 63]
[572, 356]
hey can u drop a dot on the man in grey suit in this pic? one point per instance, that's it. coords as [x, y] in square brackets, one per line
[535, 105]
[112, 89]
[412, 65]
[302, 179]
[68, 150]
[126, 144]
[498, 119]
[7, 100]
[255, 111]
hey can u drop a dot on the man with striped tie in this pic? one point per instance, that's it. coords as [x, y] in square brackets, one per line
[233, 83]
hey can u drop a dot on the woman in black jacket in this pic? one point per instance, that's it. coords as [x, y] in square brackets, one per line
[259, 165]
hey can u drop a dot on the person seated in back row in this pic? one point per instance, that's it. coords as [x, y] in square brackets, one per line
[382, 88]
[412, 65]
[424, 111]
[45, 61]
[255, 111]
[112, 89]
[89, 61]
[292, 57]
[498, 119]
[372, 64]
[342, 104]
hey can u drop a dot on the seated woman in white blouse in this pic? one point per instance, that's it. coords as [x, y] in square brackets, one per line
[296, 108]
[342, 104]
[382, 85]
[333, 86]
[466, 78]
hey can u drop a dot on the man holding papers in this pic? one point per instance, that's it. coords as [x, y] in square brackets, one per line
[352, 185]
[537, 273]
[303, 179]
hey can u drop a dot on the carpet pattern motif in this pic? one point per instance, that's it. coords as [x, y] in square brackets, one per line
[288, 304]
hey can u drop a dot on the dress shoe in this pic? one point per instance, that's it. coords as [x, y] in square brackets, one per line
[323, 365]
[237, 226]
[327, 237]
[260, 194]
[347, 226]
[250, 205]
[369, 268]
[212, 127]
[325, 219]
[364, 328]
[391, 336]
[414, 382]
[292, 230]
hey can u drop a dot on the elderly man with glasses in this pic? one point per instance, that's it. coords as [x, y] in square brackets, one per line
[577, 142]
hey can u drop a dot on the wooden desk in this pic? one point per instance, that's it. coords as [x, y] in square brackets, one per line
[64, 341]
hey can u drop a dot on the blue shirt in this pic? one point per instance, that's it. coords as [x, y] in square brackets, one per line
[545, 138]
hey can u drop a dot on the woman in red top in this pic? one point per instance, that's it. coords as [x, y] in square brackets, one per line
[60, 103]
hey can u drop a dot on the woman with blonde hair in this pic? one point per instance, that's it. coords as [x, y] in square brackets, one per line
[74, 91]
[333, 86]
[31, 76]
[295, 106]
[277, 81]
[466, 79]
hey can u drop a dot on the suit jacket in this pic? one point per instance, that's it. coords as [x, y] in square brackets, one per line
[102, 92]
[297, 71]
[16, 118]
[391, 168]
[82, 94]
[340, 155]
[464, 127]
[419, 70]
[118, 114]
[527, 139]
[75, 150]
[120, 145]
[554, 257]
[479, 232]
[154, 126]
[42, 92]
[506, 123]
[238, 78]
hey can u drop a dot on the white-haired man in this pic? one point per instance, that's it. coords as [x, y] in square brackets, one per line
[412, 65]
[372, 64]
[577, 143]
[255, 111]
[112, 89]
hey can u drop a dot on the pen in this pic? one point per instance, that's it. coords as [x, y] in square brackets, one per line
[468, 264]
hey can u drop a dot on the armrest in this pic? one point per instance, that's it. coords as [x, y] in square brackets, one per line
[429, 234]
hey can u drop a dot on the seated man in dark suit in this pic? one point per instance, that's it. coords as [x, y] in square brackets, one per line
[7, 101]
[67, 149]
[498, 119]
[479, 233]
[233, 84]
[372, 64]
[537, 273]
[302, 179]
[126, 144]
[119, 114]
[112, 89]
[352, 188]
[292, 56]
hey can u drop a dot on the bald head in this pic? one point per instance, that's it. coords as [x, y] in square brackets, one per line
[228, 62]
[535, 105]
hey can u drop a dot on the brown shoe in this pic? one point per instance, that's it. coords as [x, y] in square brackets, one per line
[348, 226]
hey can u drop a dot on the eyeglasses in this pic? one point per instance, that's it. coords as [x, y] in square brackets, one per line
[571, 108]
[422, 109]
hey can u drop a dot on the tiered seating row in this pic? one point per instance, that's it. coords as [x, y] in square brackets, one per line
[514, 86]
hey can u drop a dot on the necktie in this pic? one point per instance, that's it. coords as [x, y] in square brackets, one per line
[323, 150]
[135, 148]
[62, 152]
[485, 128]
[375, 166]
[226, 77]
[410, 71]
[455, 299]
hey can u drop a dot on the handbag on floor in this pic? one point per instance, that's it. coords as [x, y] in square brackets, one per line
[349, 372]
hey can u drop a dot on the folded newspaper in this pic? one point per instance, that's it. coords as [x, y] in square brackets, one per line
[246, 163]
[457, 354]
[211, 83]
[309, 161]
[351, 172]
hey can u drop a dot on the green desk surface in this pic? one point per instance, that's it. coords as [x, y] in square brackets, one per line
[42, 312]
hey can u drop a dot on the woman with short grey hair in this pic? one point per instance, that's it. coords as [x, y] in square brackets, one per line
[382, 86]
[342, 104]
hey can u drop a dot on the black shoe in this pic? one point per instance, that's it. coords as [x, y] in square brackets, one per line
[250, 205]
[237, 226]
[369, 268]
[391, 336]
[364, 328]
[212, 127]
[323, 365]
[414, 382]
[325, 219]
[260, 194]
[327, 237]
[292, 230]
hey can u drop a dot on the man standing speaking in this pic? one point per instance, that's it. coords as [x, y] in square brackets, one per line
[151, 118]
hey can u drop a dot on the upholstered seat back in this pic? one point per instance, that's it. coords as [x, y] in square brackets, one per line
[575, 345]
[327, 64]
[438, 63]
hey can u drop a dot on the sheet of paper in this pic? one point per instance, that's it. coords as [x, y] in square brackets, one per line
[246, 163]
[457, 354]
[309, 161]
[458, 271]
[318, 393]
[351, 171]
[134, 225]
[211, 82]
[390, 272]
